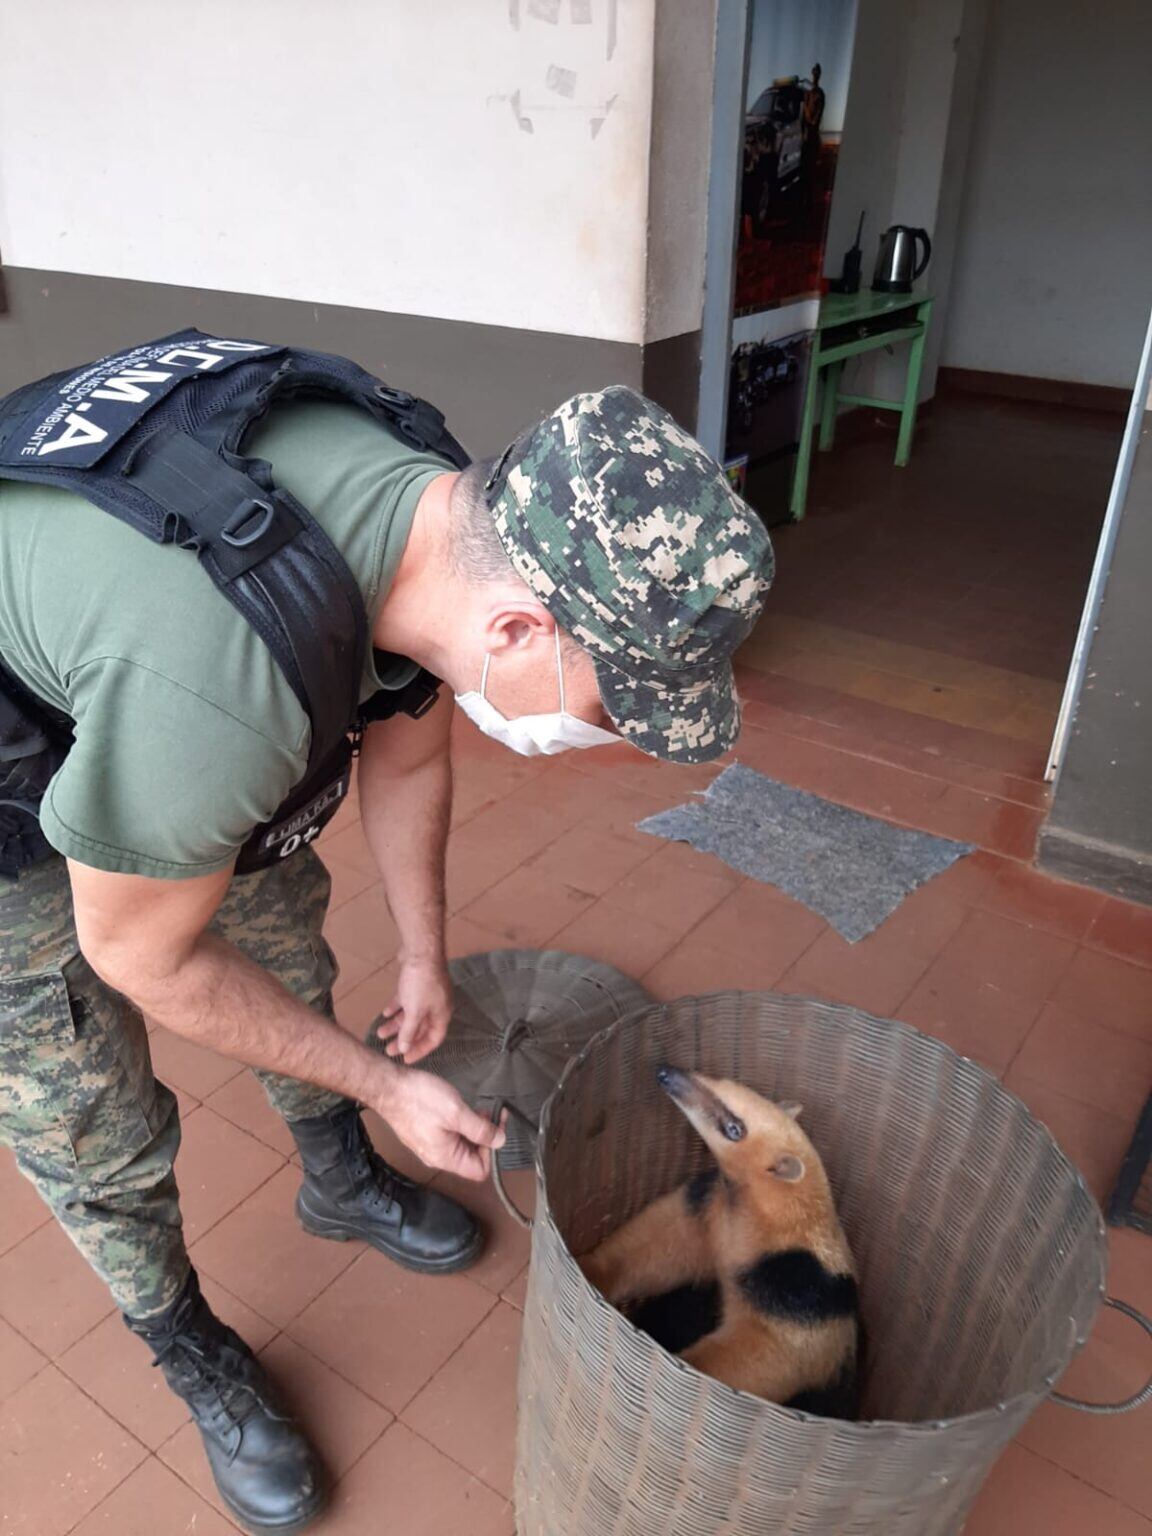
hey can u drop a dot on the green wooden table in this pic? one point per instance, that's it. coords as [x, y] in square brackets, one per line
[850, 324]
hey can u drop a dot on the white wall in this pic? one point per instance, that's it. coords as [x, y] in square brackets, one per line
[944, 42]
[1054, 266]
[909, 120]
[869, 150]
[685, 43]
[868, 160]
[956, 145]
[481, 160]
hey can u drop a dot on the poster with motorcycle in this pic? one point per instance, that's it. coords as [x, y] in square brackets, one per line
[800, 56]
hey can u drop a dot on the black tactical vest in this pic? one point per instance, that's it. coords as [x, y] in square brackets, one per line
[155, 435]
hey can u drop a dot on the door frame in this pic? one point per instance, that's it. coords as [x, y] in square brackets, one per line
[725, 166]
[1141, 403]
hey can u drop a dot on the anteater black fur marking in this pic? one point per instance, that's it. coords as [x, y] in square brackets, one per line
[840, 1399]
[699, 1190]
[795, 1286]
[680, 1318]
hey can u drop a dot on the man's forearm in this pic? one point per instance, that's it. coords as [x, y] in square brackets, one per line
[221, 999]
[405, 819]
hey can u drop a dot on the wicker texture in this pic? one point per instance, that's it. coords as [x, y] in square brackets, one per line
[520, 1017]
[980, 1256]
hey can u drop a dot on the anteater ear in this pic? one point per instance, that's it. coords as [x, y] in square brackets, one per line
[789, 1168]
[794, 1110]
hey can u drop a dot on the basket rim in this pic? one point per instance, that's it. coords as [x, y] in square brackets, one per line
[859, 1429]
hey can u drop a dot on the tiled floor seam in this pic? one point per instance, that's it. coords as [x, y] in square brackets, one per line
[249, 1194]
[458, 911]
[296, 1316]
[179, 1476]
[796, 959]
[1116, 954]
[664, 953]
[1057, 977]
[15, 1327]
[96, 1508]
[356, 1460]
[392, 1417]
[920, 975]
[829, 719]
[473, 1476]
[784, 969]
[39, 1348]
[951, 706]
[561, 831]
[43, 1366]
[485, 805]
[658, 846]
[546, 940]
[395, 1413]
[1106, 1493]
[23, 1238]
[886, 759]
[400, 1412]
[686, 935]
[108, 1414]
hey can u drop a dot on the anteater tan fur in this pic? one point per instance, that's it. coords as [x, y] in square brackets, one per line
[762, 1225]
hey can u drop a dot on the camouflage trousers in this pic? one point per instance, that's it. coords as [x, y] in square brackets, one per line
[79, 1105]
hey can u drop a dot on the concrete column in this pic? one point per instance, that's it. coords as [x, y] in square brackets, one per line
[683, 81]
[1099, 830]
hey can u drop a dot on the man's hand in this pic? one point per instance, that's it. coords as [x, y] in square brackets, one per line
[417, 1018]
[432, 1120]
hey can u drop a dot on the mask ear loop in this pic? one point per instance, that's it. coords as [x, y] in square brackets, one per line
[559, 669]
[484, 676]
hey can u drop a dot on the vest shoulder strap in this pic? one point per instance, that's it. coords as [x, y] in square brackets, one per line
[155, 436]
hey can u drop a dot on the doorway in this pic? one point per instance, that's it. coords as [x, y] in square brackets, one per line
[937, 605]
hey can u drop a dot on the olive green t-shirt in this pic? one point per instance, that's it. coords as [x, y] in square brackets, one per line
[188, 734]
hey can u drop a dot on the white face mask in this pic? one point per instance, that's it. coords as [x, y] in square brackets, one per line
[531, 735]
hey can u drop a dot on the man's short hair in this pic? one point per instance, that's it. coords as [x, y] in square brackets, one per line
[477, 552]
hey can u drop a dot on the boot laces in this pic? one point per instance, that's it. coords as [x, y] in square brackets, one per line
[211, 1387]
[371, 1173]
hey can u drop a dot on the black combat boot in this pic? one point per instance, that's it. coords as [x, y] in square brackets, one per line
[349, 1191]
[267, 1473]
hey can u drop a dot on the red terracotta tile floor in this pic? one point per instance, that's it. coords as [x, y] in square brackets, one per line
[409, 1383]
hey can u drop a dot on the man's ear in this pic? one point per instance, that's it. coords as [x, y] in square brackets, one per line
[514, 622]
[788, 1168]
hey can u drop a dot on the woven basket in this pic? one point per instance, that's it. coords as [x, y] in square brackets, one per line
[981, 1265]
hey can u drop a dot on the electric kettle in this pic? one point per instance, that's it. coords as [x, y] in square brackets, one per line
[897, 267]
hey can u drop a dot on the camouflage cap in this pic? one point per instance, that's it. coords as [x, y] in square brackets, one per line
[634, 540]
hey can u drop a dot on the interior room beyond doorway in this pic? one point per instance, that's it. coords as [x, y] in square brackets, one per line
[940, 602]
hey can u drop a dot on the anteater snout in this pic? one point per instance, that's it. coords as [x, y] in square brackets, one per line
[675, 1083]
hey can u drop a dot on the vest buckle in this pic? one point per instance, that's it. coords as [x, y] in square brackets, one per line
[240, 531]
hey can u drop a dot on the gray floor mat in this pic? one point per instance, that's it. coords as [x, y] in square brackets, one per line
[853, 869]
